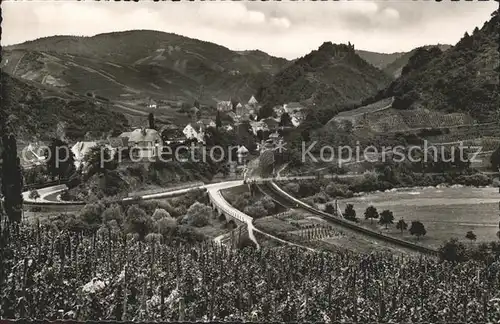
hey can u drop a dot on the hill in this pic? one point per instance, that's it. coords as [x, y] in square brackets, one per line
[143, 64]
[332, 75]
[379, 60]
[164, 49]
[35, 112]
[394, 68]
[463, 79]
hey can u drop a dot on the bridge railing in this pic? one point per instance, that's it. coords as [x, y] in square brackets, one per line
[165, 190]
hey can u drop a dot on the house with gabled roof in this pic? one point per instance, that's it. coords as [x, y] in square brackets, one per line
[292, 107]
[253, 101]
[144, 142]
[258, 126]
[195, 131]
[207, 122]
[225, 106]
[242, 154]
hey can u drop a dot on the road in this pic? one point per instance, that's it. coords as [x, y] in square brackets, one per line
[214, 191]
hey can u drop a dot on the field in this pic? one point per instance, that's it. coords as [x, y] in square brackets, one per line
[77, 276]
[446, 213]
[306, 229]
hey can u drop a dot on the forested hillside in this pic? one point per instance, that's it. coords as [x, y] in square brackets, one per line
[333, 74]
[461, 79]
[35, 112]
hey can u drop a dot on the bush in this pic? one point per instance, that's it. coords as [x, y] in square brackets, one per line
[91, 215]
[197, 215]
[268, 204]
[160, 213]
[256, 210]
[292, 188]
[453, 251]
[337, 190]
[138, 222]
[477, 180]
[330, 208]
[320, 198]
[113, 213]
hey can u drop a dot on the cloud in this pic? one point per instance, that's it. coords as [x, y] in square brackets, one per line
[286, 29]
[281, 22]
[390, 13]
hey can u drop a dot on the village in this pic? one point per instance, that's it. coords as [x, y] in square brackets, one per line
[148, 141]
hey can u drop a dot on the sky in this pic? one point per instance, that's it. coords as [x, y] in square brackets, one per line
[288, 29]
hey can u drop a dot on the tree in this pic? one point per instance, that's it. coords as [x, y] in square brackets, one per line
[285, 120]
[99, 160]
[112, 213]
[265, 111]
[160, 213]
[417, 229]
[91, 215]
[386, 218]
[151, 120]
[401, 225]
[256, 210]
[60, 160]
[371, 213]
[350, 213]
[197, 215]
[218, 121]
[268, 204]
[12, 179]
[330, 208]
[495, 160]
[138, 222]
[453, 251]
[471, 236]
[34, 194]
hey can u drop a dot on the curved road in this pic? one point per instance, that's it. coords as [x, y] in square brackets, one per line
[213, 192]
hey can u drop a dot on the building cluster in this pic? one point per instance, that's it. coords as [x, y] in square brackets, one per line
[146, 143]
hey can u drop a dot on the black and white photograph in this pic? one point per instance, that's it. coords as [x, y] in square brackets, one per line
[250, 161]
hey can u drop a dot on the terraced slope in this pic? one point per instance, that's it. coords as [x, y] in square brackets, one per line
[463, 79]
[147, 64]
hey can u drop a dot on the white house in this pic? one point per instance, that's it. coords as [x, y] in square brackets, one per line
[144, 143]
[292, 107]
[194, 131]
[34, 154]
[278, 110]
[227, 127]
[253, 101]
[240, 110]
[258, 125]
[80, 150]
[242, 154]
[207, 123]
[152, 104]
[225, 106]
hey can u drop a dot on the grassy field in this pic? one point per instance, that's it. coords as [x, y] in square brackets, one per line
[446, 213]
[303, 228]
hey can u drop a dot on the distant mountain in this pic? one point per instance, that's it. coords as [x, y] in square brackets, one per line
[394, 68]
[157, 48]
[332, 75]
[379, 60]
[462, 79]
[142, 63]
[36, 112]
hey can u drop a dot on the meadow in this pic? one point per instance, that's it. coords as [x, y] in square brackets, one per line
[445, 212]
